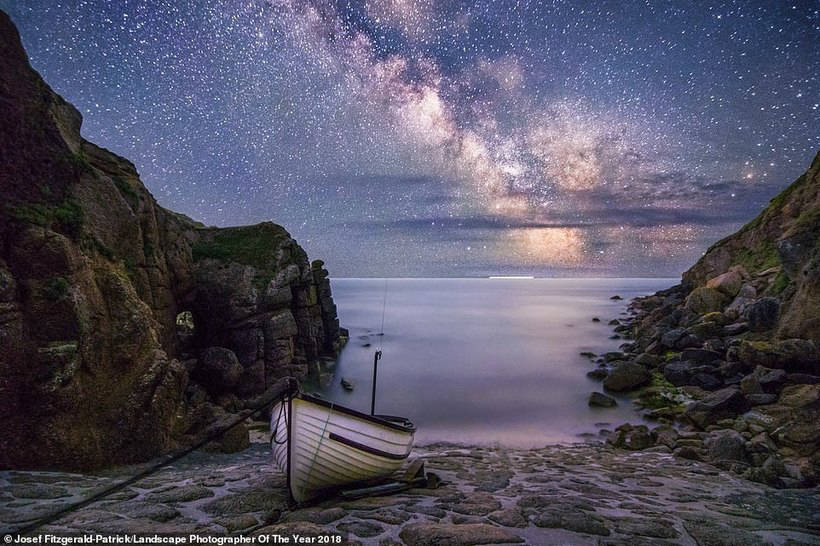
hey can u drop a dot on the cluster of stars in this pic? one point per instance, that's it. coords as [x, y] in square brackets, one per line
[400, 137]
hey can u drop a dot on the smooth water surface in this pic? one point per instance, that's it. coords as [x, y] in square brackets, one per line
[483, 361]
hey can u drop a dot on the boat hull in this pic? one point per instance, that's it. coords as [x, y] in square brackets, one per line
[321, 445]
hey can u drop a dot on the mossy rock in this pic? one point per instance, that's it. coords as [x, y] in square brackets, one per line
[717, 317]
[704, 300]
[65, 217]
[261, 246]
[759, 258]
[660, 394]
[706, 329]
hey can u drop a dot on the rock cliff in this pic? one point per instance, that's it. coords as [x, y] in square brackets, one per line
[733, 352]
[125, 327]
[777, 252]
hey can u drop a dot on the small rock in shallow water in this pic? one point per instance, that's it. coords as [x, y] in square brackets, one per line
[626, 376]
[600, 400]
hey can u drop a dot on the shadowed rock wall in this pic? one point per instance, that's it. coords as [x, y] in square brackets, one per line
[93, 275]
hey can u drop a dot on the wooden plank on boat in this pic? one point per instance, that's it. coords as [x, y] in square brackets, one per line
[384, 489]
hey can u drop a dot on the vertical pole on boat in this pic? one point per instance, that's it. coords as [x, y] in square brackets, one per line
[288, 422]
[376, 358]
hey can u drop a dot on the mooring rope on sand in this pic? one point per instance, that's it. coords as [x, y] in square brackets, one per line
[278, 391]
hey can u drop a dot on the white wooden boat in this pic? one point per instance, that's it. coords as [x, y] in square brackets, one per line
[320, 445]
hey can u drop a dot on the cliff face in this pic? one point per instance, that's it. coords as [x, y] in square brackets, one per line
[111, 306]
[733, 353]
[780, 250]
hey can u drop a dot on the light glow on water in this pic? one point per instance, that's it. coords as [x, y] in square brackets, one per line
[483, 361]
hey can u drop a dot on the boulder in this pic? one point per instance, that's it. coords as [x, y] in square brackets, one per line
[665, 435]
[688, 452]
[701, 356]
[728, 283]
[762, 315]
[704, 329]
[218, 370]
[670, 339]
[704, 300]
[725, 446]
[772, 381]
[599, 400]
[801, 396]
[761, 399]
[648, 360]
[735, 329]
[761, 443]
[681, 373]
[634, 438]
[723, 404]
[792, 355]
[597, 374]
[613, 356]
[706, 381]
[750, 384]
[803, 378]
[626, 376]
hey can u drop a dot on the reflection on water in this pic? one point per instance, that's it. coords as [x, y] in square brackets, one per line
[482, 361]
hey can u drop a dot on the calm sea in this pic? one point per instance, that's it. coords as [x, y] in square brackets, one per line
[483, 361]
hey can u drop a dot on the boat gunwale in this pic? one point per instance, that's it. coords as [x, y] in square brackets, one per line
[382, 420]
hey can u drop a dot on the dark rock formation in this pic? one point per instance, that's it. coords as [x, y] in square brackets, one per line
[93, 277]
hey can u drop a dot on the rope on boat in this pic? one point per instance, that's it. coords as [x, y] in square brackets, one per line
[282, 413]
[282, 388]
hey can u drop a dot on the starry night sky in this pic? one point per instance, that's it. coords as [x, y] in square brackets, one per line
[432, 138]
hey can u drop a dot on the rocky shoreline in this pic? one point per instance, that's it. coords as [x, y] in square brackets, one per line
[714, 398]
[570, 494]
[728, 362]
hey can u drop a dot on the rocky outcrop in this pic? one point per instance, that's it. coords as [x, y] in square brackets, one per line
[108, 301]
[778, 255]
[734, 351]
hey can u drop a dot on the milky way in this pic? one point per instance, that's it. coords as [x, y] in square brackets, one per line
[429, 138]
